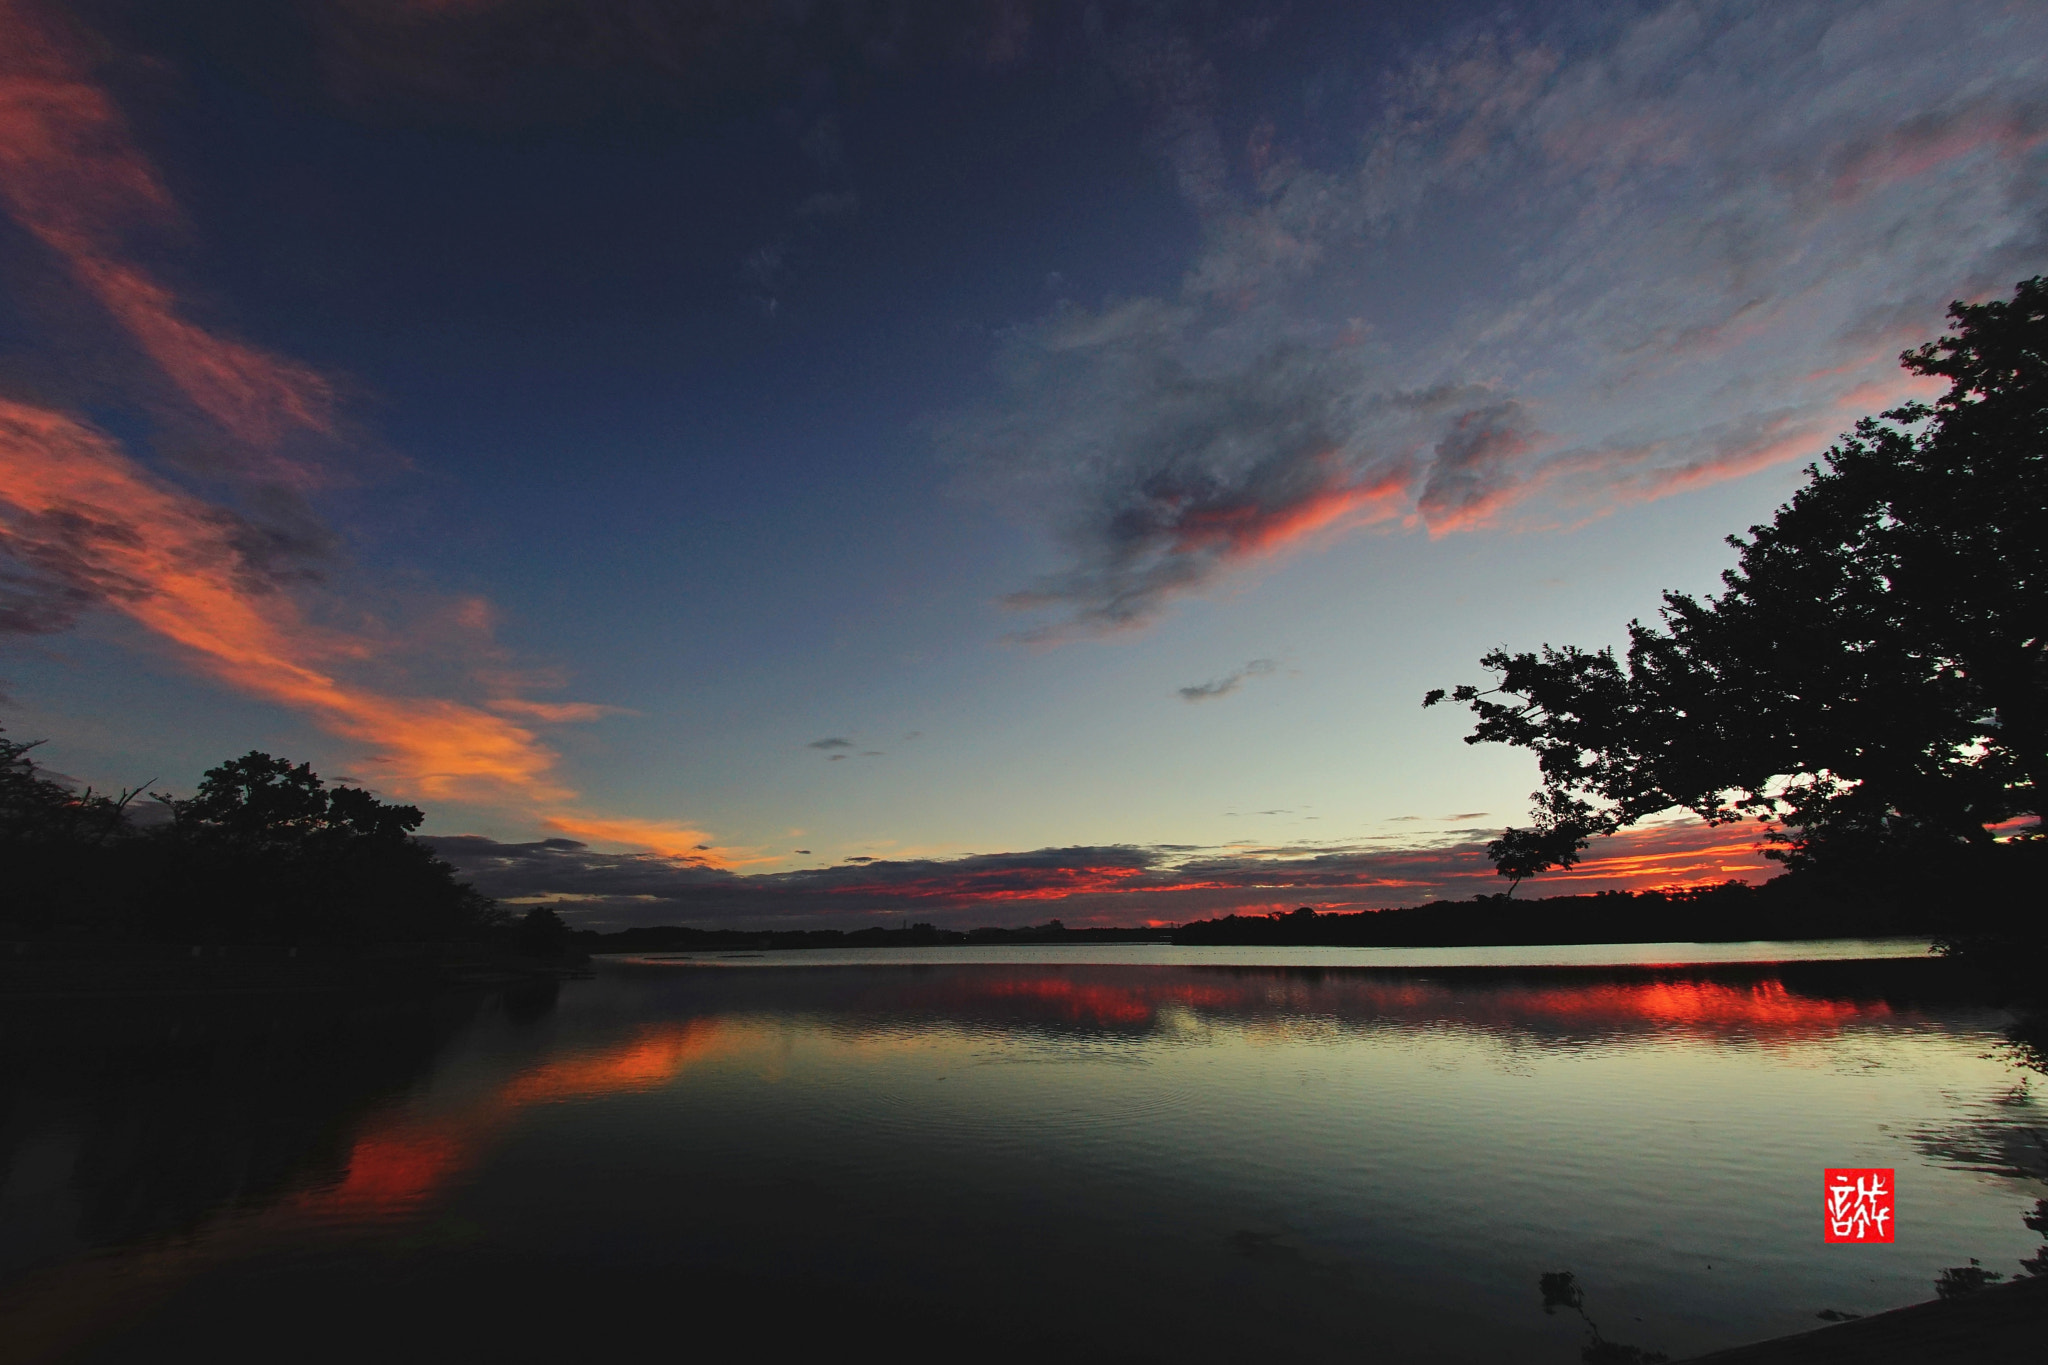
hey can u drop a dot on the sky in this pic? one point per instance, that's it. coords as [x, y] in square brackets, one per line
[822, 463]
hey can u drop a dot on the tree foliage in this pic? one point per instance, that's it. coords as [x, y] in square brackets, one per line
[263, 851]
[1871, 682]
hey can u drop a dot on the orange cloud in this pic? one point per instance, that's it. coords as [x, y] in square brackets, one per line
[655, 836]
[70, 175]
[555, 712]
[75, 507]
[81, 509]
[1691, 854]
[101, 530]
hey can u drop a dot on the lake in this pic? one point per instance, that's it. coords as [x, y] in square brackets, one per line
[1120, 1154]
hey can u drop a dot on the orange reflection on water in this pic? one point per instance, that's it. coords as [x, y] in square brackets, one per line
[397, 1165]
[400, 1163]
[653, 1059]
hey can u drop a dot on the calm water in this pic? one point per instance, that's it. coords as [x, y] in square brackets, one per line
[1109, 1160]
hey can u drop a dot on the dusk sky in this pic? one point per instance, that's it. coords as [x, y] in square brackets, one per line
[979, 462]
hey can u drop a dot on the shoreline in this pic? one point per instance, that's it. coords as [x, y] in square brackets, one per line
[1997, 1323]
[72, 971]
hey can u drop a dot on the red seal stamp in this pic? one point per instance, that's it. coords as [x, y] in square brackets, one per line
[1857, 1206]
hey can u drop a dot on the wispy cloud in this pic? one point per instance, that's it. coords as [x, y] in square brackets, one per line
[85, 525]
[1563, 270]
[555, 712]
[1228, 683]
[89, 527]
[71, 176]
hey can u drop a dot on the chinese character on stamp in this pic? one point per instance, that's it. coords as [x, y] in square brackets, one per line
[1858, 1205]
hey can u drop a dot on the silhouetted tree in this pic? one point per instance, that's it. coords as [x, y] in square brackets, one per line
[1557, 840]
[55, 854]
[263, 851]
[270, 852]
[1872, 682]
[542, 933]
[37, 810]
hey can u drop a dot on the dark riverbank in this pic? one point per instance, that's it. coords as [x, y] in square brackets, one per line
[1730, 913]
[57, 969]
[2003, 1323]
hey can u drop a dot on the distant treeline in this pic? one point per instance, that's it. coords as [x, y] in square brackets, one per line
[677, 938]
[1732, 912]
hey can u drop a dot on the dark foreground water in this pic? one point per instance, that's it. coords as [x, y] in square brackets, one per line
[1000, 1160]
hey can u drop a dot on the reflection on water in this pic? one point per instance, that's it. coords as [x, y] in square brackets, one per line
[1241, 955]
[1107, 1161]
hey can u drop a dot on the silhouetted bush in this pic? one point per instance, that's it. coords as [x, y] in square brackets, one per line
[263, 852]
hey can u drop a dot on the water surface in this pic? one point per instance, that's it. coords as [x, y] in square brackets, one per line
[1246, 955]
[1007, 1159]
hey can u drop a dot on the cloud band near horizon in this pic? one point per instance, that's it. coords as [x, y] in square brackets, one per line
[1110, 884]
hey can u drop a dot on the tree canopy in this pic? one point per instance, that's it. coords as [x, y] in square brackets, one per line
[263, 851]
[1871, 683]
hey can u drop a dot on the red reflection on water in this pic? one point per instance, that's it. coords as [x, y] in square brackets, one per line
[390, 1170]
[400, 1163]
[1126, 997]
[1765, 1006]
[1086, 998]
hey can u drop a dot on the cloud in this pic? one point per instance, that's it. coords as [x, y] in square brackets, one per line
[555, 712]
[831, 742]
[82, 525]
[1228, 683]
[85, 526]
[1109, 884]
[71, 177]
[682, 843]
[1617, 257]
